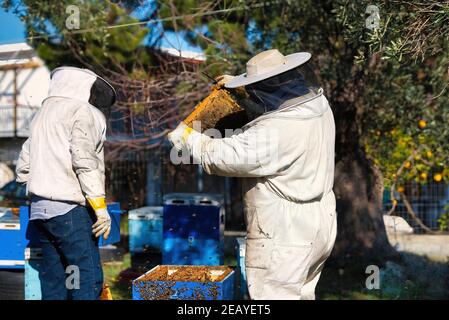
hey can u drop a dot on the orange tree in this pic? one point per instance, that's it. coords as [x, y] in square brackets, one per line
[384, 70]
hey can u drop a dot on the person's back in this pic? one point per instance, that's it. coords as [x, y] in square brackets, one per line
[303, 142]
[62, 165]
[52, 173]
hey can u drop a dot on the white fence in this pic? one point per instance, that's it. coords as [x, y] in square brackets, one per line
[9, 123]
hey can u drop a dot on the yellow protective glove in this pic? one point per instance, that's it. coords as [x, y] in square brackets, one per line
[103, 224]
[179, 136]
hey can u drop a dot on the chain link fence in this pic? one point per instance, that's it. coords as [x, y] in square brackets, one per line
[429, 201]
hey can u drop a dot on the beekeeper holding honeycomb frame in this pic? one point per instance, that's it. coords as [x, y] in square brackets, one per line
[285, 157]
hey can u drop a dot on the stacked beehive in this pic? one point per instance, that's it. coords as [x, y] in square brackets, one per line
[145, 237]
[192, 252]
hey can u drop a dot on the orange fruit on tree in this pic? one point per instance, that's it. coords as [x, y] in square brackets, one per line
[422, 124]
[438, 177]
[407, 164]
[429, 154]
[401, 189]
[423, 176]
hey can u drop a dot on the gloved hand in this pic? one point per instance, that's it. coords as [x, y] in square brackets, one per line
[103, 224]
[179, 136]
[223, 79]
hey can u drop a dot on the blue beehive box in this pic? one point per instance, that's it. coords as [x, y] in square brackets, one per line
[11, 243]
[185, 283]
[33, 267]
[145, 229]
[241, 252]
[193, 229]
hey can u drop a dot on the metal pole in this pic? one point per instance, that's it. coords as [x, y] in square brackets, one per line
[15, 103]
[200, 184]
[154, 180]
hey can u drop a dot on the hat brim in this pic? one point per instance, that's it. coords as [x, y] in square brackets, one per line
[291, 61]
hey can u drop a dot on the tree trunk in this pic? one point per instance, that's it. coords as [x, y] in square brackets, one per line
[358, 187]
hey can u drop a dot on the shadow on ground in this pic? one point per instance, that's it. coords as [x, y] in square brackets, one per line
[410, 277]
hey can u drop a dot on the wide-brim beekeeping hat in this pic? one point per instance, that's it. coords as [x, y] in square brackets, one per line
[266, 65]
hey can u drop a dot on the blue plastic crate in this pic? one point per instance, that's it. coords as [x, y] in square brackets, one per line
[145, 229]
[193, 229]
[217, 284]
[33, 267]
[11, 241]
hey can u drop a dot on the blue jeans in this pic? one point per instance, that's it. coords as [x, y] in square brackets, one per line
[68, 245]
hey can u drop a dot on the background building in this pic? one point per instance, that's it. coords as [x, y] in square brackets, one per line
[24, 82]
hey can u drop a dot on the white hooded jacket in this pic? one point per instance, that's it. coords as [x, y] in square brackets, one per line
[286, 160]
[63, 157]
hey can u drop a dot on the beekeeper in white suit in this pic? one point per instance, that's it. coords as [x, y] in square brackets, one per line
[62, 165]
[285, 156]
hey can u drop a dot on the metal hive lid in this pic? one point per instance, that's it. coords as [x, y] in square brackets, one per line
[147, 213]
[193, 199]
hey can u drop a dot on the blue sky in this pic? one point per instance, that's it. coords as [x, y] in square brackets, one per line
[12, 30]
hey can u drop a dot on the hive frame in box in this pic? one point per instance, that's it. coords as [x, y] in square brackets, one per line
[193, 229]
[183, 290]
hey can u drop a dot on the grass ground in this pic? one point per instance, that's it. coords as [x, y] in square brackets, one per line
[120, 290]
[344, 284]
[411, 277]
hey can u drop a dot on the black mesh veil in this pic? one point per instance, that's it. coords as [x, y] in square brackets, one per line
[281, 91]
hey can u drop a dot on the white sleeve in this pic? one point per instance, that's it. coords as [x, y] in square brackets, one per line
[85, 141]
[23, 163]
[252, 153]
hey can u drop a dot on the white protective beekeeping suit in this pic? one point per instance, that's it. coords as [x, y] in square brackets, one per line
[286, 160]
[62, 159]
[6, 174]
